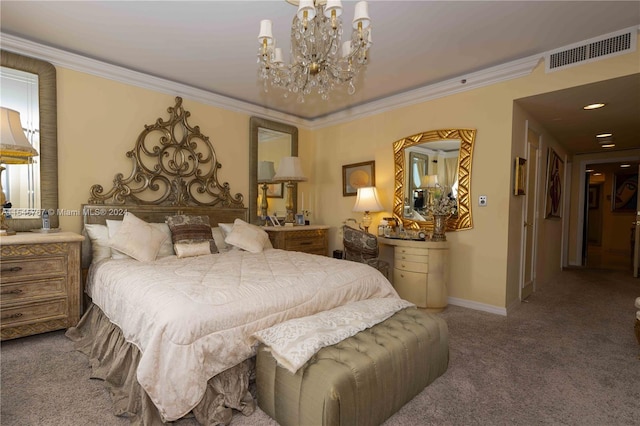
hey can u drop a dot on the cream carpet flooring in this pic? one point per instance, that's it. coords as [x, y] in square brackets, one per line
[566, 356]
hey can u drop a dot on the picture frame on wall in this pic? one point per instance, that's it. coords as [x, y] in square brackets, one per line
[625, 192]
[275, 190]
[356, 176]
[520, 176]
[554, 187]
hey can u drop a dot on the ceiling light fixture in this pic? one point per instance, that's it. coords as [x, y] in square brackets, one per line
[604, 135]
[593, 106]
[625, 165]
[608, 145]
[318, 61]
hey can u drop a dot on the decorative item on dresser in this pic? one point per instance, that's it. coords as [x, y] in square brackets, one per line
[421, 271]
[290, 171]
[40, 283]
[309, 239]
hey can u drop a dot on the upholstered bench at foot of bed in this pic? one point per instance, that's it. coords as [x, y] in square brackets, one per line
[362, 380]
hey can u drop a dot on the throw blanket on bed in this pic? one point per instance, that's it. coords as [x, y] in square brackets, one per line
[292, 343]
[193, 318]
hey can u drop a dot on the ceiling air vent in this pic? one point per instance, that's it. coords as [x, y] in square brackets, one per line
[591, 50]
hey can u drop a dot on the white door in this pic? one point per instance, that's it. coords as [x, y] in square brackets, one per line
[529, 234]
[636, 247]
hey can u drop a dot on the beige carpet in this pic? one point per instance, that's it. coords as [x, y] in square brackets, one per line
[567, 356]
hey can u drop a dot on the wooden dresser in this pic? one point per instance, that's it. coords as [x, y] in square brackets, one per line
[40, 286]
[312, 239]
[420, 271]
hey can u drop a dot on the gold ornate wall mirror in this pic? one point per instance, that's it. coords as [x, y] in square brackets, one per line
[446, 153]
[48, 149]
[269, 141]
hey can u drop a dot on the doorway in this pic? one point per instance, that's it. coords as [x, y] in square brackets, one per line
[610, 215]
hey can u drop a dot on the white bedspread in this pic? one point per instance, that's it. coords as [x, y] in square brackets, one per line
[193, 318]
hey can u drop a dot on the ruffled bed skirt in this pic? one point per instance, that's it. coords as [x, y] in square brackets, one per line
[115, 361]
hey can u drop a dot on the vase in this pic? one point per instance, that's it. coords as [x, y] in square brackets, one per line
[439, 227]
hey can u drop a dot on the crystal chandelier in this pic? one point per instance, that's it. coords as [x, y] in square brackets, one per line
[318, 61]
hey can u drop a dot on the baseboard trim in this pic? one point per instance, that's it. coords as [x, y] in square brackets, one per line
[477, 306]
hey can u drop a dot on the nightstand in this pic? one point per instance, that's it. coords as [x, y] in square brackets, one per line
[421, 271]
[312, 239]
[40, 286]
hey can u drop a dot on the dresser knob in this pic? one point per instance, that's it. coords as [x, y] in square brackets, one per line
[14, 316]
[13, 269]
[16, 291]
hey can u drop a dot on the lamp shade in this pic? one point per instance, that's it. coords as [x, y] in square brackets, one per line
[14, 145]
[266, 171]
[367, 200]
[429, 181]
[289, 170]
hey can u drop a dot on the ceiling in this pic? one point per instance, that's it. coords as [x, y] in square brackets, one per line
[212, 46]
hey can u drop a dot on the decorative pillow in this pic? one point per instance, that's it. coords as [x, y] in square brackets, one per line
[248, 237]
[99, 237]
[200, 248]
[188, 229]
[113, 226]
[218, 237]
[166, 249]
[138, 239]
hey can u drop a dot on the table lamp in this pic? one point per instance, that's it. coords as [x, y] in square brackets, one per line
[367, 201]
[266, 172]
[289, 171]
[430, 182]
[14, 149]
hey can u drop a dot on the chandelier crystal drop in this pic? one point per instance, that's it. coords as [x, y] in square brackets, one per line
[319, 62]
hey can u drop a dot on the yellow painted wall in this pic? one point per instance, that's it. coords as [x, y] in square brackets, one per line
[480, 256]
[99, 120]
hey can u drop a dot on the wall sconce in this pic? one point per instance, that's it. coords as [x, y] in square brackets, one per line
[367, 201]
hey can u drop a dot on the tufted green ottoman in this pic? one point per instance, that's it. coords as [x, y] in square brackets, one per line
[362, 380]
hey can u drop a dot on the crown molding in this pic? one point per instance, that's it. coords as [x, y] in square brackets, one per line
[62, 58]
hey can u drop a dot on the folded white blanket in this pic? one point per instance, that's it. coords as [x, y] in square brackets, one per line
[294, 342]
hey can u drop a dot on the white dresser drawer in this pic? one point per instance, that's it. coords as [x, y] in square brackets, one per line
[412, 251]
[398, 257]
[420, 266]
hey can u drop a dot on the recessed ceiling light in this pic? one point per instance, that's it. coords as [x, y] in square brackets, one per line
[608, 145]
[625, 165]
[593, 106]
[604, 135]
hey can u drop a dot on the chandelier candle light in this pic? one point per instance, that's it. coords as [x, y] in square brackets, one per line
[367, 201]
[318, 61]
[289, 171]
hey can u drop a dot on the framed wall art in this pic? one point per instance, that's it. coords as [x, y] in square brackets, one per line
[625, 192]
[356, 176]
[274, 190]
[555, 176]
[520, 176]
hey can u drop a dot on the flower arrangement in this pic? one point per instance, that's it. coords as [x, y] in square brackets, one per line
[442, 204]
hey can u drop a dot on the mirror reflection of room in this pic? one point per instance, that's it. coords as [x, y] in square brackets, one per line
[21, 183]
[432, 172]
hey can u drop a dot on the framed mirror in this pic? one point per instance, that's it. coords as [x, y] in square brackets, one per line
[269, 141]
[48, 131]
[445, 153]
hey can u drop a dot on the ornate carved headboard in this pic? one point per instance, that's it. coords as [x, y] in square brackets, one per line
[175, 171]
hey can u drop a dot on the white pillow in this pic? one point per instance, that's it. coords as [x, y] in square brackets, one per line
[218, 237]
[138, 239]
[166, 249]
[196, 248]
[99, 237]
[248, 237]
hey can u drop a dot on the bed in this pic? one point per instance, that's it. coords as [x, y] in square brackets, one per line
[170, 326]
